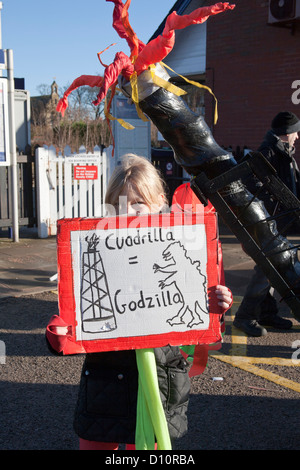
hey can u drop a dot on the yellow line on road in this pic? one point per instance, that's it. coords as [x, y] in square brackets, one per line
[238, 357]
[245, 364]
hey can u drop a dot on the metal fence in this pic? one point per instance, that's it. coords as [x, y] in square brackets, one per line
[70, 185]
[26, 193]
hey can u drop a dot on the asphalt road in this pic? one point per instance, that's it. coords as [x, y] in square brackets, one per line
[240, 410]
[246, 399]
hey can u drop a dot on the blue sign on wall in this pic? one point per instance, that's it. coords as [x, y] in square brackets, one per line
[2, 59]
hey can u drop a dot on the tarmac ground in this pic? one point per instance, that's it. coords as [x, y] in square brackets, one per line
[246, 399]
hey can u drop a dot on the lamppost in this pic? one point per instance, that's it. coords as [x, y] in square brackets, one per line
[0, 34]
[0, 26]
[12, 141]
[12, 134]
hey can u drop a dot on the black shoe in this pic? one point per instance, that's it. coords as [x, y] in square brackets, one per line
[276, 322]
[250, 327]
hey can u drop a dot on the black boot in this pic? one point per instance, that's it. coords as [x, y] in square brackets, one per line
[269, 315]
[276, 321]
[249, 326]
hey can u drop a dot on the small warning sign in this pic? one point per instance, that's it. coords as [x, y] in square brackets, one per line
[85, 172]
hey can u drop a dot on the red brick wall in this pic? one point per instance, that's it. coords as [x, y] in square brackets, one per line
[250, 67]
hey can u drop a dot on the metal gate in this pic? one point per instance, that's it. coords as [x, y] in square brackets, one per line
[26, 193]
[70, 185]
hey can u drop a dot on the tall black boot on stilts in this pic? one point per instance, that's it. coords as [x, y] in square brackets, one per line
[215, 175]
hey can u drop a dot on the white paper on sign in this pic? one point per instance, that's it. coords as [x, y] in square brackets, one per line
[139, 281]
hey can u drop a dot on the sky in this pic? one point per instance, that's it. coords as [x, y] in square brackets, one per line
[59, 39]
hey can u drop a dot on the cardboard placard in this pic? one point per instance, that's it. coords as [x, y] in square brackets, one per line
[138, 282]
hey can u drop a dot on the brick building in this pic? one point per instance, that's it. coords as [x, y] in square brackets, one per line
[251, 66]
[248, 63]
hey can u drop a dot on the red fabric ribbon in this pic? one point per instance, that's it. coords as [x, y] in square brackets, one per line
[90, 80]
[157, 49]
[121, 65]
[141, 55]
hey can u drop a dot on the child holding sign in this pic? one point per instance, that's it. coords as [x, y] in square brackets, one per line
[106, 412]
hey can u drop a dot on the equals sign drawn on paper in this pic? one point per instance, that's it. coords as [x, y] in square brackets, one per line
[133, 260]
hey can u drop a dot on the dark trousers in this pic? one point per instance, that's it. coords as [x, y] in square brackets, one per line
[259, 298]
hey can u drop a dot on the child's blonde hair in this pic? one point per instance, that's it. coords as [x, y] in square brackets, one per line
[138, 174]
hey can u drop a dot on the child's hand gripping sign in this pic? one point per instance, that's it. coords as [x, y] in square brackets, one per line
[138, 282]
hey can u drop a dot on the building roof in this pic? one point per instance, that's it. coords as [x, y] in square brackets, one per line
[188, 56]
[179, 7]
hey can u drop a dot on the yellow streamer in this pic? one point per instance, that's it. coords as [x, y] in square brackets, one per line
[199, 86]
[112, 118]
[165, 84]
[157, 81]
[135, 96]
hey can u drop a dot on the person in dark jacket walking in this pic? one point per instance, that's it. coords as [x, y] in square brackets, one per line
[259, 307]
[106, 410]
